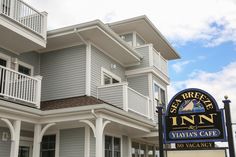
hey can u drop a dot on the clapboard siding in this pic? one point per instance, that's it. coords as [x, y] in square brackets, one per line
[31, 58]
[139, 83]
[112, 95]
[72, 142]
[98, 60]
[63, 73]
[5, 146]
[144, 52]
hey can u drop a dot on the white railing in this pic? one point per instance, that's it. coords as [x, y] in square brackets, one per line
[20, 87]
[124, 97]
[160, 62]
[26, 15]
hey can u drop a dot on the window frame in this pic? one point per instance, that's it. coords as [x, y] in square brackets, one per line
[20, 63]
[7, 58]
[55, 149]
[159, 92]
[109, 74]
[113, 137]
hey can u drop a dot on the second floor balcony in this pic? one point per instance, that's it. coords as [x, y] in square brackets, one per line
[20, 88]
[126, 98]
[22, 28]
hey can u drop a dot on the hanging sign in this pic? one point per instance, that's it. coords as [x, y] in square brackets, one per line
[193, 116]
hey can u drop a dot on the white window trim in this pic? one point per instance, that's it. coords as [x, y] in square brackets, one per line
[103, 70]
[145, 42]
[116, 136]
[27, 142]
[25, 65]
[159, 93]
[7, 58]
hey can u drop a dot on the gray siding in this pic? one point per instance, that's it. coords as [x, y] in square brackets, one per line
[32, 58]
[112, 95]
[144, 52]
[98, 60]
[5, 146]
[139, 83]
[63, 73]
[72, 142]
[92, 144]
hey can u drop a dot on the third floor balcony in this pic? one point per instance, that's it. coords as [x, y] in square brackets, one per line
[22, 28]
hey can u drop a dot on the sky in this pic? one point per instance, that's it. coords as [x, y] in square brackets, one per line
[202, 31]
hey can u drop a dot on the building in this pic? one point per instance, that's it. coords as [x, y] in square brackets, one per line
[87, 90]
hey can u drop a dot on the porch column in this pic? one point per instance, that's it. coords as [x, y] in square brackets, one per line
[15, 142]
[99, 135]
[37, 142]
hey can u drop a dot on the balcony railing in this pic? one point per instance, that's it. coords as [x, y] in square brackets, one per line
[159, 62]
[19, 87]
[25, 15]
[126, 98]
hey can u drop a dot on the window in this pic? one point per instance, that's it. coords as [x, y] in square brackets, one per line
[140, 150]
[139, 40]
[109, 78]
[112, 146]
[25, 68]
[128, 38]
[24, 151]
[3, 62]
[159, 94]
[48, 146]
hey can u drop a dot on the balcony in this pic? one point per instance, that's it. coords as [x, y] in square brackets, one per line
[160, 62]
[20, 88]
[126, 98]
[22, 28]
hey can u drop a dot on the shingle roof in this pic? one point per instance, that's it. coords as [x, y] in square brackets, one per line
[70, 102]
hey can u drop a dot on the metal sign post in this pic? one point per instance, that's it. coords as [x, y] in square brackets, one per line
[229, 127]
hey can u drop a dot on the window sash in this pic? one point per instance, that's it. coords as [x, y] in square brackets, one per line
[112, 149]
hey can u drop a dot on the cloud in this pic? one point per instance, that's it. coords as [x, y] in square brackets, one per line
[218, 84]
[211, 21]
[179, 66]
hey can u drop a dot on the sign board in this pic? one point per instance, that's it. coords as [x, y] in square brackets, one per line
[197, 153]
[193, 116]
[195, 145]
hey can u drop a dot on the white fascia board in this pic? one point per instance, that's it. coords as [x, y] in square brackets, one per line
[145, 70]
[91, 25]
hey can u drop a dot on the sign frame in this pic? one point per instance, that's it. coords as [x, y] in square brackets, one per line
[216, 109]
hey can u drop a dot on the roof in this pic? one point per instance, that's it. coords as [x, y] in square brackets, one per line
[144, 27]
[98, 34]
[70, 102]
